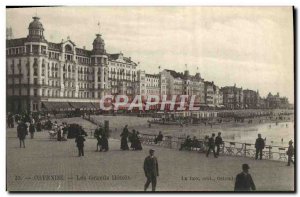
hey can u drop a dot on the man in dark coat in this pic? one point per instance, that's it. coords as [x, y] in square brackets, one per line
[22, 132]
[97, 134]
[151, 170]
[80, 144]
[259, 146]
[211, 145]
[243, 181]
[124, 136]
[10, 121]
[38, 126]
[290, 153]
[218, 142]
[133, 140]
[104, 140]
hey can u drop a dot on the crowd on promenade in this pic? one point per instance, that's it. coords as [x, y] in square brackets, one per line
[29, 124]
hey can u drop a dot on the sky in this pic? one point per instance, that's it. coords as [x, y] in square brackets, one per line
[251, 47]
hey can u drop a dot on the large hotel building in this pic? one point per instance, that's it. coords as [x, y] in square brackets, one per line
[42, 74]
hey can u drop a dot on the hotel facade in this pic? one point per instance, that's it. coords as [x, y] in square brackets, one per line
[42, 74]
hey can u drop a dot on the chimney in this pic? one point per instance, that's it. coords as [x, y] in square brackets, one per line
[84, 47]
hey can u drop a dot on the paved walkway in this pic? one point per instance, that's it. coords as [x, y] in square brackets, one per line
[29, 169]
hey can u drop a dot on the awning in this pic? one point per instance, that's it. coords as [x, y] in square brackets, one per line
[82, 105]
[200, 105]
[210, 105]
[50, 106]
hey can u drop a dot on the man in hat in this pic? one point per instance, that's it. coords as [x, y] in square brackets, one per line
[151, 170]
[290, 153]
[97, 134]
[243, 181]
[80, 143]
[211, 145]
[259, 146]
[218, 142]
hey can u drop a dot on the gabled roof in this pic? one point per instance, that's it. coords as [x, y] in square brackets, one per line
[69, 41]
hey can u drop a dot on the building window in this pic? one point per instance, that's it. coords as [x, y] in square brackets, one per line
[35, 73]
[35, 92]
[35, 81]
[35, 106]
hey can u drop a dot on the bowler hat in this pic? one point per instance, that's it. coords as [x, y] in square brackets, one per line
[245, 166]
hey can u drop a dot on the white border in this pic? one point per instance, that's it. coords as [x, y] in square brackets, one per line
[5, 3]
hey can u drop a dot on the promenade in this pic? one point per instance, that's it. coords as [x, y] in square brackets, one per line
[49, 165]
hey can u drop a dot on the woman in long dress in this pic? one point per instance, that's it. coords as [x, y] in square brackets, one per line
[124, 136]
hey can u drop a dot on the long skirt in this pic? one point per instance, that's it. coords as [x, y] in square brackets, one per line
[124, 144]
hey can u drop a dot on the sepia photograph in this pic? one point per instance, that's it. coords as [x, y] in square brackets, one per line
[150, 99]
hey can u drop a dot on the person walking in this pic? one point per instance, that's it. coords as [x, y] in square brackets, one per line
[159, 138]
[80, 144]
[31, 130]
[244, 181]
[259, 146]
[211, 145]
[218, 142]
[104, 140]
[151, 170]
[97, 135]
[124, 136]
[290, 153]
[133, 140]
[22, 132]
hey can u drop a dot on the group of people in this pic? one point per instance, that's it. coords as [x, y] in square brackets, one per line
[260, 145]
[212, 143]
[25, 125]
[133, 137]
[102, 138]
[209, 144]
[60, 130]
